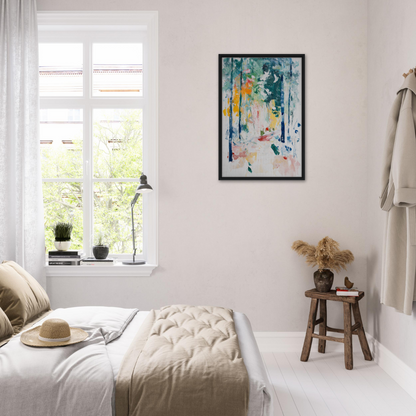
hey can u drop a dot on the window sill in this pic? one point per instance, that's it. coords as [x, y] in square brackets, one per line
[118, 270]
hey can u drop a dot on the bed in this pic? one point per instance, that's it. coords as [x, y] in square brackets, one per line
[180, 360]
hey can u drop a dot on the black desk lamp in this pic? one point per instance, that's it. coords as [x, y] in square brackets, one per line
[143, 188]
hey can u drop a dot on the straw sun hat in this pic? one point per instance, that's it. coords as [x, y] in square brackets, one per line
[53, 333]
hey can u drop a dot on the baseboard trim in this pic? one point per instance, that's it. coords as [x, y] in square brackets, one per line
[293, 342]
[400, 372]
[390, 363]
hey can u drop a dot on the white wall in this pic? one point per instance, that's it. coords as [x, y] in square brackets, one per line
[391, 51]
[228, 243]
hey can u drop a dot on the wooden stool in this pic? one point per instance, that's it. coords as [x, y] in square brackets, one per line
[348, 331]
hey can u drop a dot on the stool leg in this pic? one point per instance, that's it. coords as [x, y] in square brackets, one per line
[361, 333]
[322, 325]
[309, 331]
[347, 336]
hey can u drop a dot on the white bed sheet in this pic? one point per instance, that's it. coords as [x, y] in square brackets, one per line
[260, 400]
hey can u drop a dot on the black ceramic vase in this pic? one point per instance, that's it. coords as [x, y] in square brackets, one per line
[100, 252]
[323, 280]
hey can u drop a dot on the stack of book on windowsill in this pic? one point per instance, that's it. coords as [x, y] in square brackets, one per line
[64, 258]
[93, 262]
[344, 291]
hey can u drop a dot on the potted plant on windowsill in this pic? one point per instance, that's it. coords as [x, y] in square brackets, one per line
[62, 232]
[100, 250]
[327, 256]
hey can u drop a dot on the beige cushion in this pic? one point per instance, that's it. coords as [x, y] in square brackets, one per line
[6, 329]
[22, 298]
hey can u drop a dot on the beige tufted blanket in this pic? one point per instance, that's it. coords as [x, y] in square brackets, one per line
[184, 361]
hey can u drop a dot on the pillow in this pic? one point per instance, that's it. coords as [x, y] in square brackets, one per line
[22, 298]
[6, 329]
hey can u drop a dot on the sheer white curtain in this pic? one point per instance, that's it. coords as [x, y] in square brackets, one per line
[21, 211]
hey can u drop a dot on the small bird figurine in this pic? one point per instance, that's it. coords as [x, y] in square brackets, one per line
[347, 283]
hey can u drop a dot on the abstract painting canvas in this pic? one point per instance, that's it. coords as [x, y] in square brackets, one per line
[262, 117]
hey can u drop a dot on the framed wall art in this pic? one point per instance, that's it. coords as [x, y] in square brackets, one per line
[262, 117]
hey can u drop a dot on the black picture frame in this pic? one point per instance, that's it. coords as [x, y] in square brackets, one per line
[221, 112]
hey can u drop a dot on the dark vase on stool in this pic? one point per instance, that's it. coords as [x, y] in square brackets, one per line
[323, 280]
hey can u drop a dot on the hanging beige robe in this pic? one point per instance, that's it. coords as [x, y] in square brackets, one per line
[399, 199]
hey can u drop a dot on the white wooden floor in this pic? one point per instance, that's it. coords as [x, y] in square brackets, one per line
[323, 387]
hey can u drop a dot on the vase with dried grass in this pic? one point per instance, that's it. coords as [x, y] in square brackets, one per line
[327, 256]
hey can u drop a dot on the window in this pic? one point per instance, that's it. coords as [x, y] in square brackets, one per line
[98, 127]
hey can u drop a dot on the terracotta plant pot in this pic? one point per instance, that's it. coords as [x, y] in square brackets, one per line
[323, 280]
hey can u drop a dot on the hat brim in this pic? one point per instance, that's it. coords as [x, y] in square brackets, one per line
[31, 338]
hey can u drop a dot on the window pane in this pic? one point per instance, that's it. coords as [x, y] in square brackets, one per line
[61, 143]
[62, 202]
[112, 216]
[118, 143]
[60, 69]
[117, 69]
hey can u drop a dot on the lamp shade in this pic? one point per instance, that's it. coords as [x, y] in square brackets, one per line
[144, 187]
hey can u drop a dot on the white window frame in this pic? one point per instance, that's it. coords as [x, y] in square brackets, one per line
[123, 27]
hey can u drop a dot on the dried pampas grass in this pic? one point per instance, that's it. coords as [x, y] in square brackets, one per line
[326, 255]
